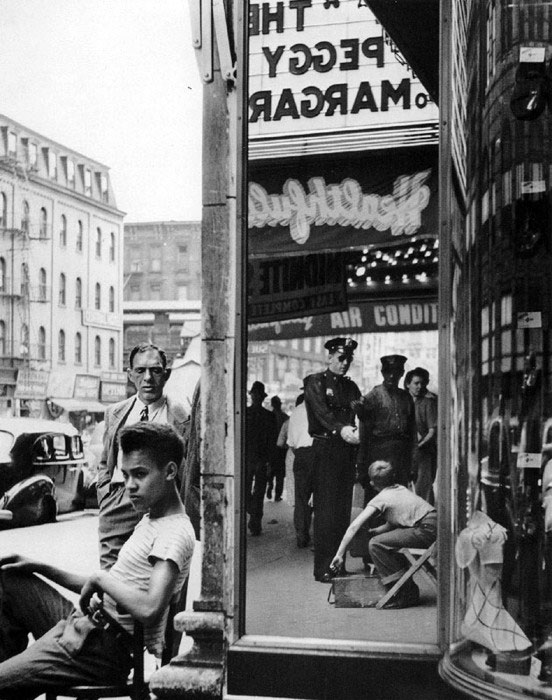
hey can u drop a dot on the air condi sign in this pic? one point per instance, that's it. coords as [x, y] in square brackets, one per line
[319, 66]
[362, 317]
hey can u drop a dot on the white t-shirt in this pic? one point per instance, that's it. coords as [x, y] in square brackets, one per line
[400, 506]
[169, 537]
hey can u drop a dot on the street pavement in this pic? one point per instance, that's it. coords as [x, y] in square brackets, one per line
[283, 599]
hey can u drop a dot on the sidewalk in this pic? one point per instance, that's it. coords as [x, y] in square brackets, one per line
[283, 599]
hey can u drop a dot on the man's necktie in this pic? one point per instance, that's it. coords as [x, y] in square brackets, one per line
[144, 415]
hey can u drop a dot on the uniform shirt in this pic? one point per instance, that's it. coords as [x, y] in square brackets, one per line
[157, 413]
[169, 537]
[328, 398]
[400, 506]
[389, 413]
[298, 428]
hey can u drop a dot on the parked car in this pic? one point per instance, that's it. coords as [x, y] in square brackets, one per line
[41, 470]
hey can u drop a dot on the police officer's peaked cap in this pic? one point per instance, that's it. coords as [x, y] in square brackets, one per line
[344, 346]
[390, 362]
[258, 388]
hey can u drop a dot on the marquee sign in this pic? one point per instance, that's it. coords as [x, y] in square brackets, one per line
[317, 66]
[354, 202]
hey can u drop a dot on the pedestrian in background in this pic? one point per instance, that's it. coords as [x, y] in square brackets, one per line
[300, 441]
[277, 470]
[261, 433]
[424, 453]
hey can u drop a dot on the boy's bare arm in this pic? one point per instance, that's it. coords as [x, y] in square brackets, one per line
[67, 579]
[144, 606]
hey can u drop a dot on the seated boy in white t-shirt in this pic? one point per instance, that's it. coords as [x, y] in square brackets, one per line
[77, 646]
[409, 522]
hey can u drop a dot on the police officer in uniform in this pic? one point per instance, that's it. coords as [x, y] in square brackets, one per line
[328, 397]
[387, 428]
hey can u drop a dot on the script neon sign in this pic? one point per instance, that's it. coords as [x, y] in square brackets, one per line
[341, 204]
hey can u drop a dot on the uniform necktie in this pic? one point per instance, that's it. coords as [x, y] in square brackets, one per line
[144, 415]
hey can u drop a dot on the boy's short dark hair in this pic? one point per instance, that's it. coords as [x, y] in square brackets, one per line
[159, 440]
[381, 473]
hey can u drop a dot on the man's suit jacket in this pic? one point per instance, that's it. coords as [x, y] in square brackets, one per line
[115, 417]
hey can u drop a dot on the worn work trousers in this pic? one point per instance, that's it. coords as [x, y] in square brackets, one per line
[303, 474]
[117, 520]
[67, 649]
[384, 548]
[334, 477]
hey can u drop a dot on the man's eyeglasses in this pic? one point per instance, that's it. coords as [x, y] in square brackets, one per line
[156, 371]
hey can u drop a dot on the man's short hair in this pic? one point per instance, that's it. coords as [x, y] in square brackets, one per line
[142, 347]
[159, 440]
[381, 473]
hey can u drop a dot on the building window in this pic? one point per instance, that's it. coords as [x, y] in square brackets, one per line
[33, 155]
[12, 144]
[155, 291]
[182, 257]
[135, 292]
[88, 182]
[24, 280]
[42, 284]
[135, 262]
[70, 173]
[98, 242]
[24, 345]
[3, 211]
[112, 247]
[63, 231]
[182, 292]
[78, 293]
[78, 348]
[155, 253]
[104, 188]
[62, 290]
[112, 300]
[61, 346]
[2, 338]
[25, 217]
[2, 275]
[111, 353]
[79, 236]
[98, 296]
[43, 231]
[97, 351]
[41, 343]
[52, 165]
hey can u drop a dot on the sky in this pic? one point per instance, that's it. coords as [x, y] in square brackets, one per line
[116, 80]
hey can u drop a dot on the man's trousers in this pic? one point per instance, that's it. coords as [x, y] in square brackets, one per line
[334, 477]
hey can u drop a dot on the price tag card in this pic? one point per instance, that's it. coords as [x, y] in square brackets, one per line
[529, 460]
[529, 319]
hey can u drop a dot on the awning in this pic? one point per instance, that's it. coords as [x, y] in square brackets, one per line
[76, 405]
[413, 26]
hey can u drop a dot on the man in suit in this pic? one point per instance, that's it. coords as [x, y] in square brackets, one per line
[148, 372]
